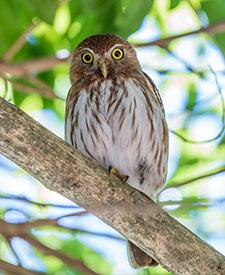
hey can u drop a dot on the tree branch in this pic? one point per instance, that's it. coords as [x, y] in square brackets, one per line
[39, 204]
[27, 89]
[21, 230]
[18, 44]
[23, 69]
[61, 168]
[212, 173]
[15, 270]
[74, 263]
[214, 28]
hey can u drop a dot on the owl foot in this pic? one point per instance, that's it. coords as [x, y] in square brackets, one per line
[113, 171]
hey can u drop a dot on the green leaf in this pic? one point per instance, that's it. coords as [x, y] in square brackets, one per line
[133, 13]
[17, 16]
[90, 258]
[192, 95]
[215, 11]
[174, 4]
[45, 10]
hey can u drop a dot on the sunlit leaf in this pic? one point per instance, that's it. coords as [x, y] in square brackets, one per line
[174, 3]
[215, 11]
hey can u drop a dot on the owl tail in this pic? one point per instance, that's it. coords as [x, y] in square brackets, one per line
[138, 258]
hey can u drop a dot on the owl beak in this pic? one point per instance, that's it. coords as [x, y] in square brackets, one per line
[103, 67]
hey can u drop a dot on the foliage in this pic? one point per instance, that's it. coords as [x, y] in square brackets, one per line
[180, 70]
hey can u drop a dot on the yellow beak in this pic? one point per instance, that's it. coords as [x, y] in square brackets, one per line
[103, 68]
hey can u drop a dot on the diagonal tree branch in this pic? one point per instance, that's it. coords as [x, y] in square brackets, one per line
[74, 263]
[11, 269]
[214, 28]
[61, 168]
[18, 44]
[212, 173]
[21, 230]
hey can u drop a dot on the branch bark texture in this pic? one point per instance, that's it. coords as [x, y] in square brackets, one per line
[62, 169]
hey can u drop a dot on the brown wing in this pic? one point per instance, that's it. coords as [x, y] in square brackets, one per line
[159, 100]
[71, 102]
[155, 90]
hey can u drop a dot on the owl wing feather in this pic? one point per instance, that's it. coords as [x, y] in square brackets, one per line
[71, 100]
[154, 90]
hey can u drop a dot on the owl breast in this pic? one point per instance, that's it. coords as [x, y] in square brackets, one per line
[119, 123]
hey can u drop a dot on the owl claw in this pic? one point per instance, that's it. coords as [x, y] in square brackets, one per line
[125, 179]
[113, 171]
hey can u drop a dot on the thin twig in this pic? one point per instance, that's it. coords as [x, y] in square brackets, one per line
[222, 170]
[33, 90]
[190, 202]
[53, 222]
[46, 90]
[38, 86]
[68, 260]
[223, 119]
[11, 230]
[22, 230]
[214, 28]
[23, 69]
[196, 8]
[18, 44]
[97, 234]
[24, 199]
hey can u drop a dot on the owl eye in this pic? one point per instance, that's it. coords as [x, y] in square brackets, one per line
[117, 54]
[87, 58]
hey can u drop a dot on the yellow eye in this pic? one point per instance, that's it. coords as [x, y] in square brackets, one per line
[87, 58]
[117, 54]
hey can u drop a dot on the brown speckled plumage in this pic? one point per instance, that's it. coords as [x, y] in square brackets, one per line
[114, 115]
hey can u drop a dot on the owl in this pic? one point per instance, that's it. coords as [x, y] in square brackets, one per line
[115, 116]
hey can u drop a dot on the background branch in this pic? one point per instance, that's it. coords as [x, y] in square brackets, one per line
[18, 44]
[46, 63]
[33, 66]
[21, 230]
[39, 204]
[214, 28]
[212, 173]
[61, 168]
[74, 263]
[15, 270]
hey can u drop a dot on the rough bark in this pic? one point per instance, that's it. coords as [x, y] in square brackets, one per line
[62, 169]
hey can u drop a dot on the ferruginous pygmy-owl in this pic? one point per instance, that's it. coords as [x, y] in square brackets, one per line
[114, 115]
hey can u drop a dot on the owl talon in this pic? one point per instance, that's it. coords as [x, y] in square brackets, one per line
[113, 171]
[125, 179]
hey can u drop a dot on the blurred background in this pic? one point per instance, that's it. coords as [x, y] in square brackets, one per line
[40, 231]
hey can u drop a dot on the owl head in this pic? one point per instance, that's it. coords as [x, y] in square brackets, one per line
[104, 56]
